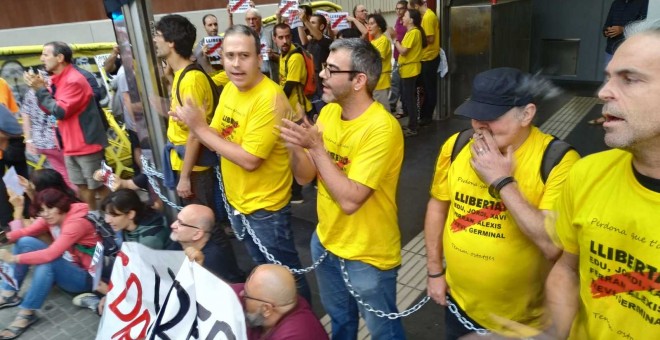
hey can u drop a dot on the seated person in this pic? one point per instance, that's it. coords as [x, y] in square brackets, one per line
[63, 263]
[133, 221]
[273, 309]
[46, 178]
[194, 227]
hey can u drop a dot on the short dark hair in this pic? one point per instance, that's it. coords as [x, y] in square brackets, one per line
[206, 16]
[380, 21]
[348, 33]
[123, 201]
[48, 178]
[239, 29]
[281, 26]
[322, 20]
[179, 30]
[416, 2]
[365, 58]
[62, 48]
[402, 2]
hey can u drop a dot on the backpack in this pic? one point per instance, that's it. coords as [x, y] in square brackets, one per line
[552, 155]
[214, 88]
[309, 87]
[105, 233]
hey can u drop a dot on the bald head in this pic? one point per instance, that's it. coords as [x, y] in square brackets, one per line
[200, 215]
[275, 283]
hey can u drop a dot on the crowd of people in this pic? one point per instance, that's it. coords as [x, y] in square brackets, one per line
[512, 228]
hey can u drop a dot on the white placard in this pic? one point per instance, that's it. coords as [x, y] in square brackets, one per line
[289, 8]
[214, 45]
[337, 21]
[11, 182]
[238, 6]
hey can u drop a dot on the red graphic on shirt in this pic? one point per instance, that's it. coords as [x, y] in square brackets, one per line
[624, 283]
[226, 132]
[475, 217]
[342, 163]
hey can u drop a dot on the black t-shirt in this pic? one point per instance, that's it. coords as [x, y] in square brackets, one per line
[319, 49]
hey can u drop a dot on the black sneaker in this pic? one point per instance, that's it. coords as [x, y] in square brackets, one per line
[297, 199]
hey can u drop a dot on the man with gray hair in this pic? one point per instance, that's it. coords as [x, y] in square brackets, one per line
[358, 158]
[606, 284]
[489, 201]
[70, 99]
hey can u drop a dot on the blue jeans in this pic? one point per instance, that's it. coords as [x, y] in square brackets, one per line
[273, 229]
[66, 275]
[376, 287]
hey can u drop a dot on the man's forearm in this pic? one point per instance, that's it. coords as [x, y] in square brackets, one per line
[302, 166]
[349, 194]
[562, 294]
[530, 220]
[434, 225]
[190, 157]
[228, 150]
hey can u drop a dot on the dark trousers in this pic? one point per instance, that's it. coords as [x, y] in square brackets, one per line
[430, 81]
[409, 100]
[454, 329]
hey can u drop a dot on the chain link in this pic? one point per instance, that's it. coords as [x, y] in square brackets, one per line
[466, 323]
[368, 307]
[151, 172]
[247, 228]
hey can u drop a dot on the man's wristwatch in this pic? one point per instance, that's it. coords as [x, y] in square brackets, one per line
[495, 187]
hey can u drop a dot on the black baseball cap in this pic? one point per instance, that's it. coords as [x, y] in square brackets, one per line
[494, 92]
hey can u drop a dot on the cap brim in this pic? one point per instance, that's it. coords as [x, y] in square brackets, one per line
[481, 111]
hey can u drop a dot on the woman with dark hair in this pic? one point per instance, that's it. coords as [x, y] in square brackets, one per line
[47, 178]
[133, 221]
[126, 214]
[410, 66]
[63, 263]
[377, 26]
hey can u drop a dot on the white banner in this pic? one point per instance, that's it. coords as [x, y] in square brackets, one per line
[218, 314]
[338, 21]
[141, 279]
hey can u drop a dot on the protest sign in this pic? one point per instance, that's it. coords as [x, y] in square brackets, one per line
[338, 21]
[214, 47]
[11, 181]
[289, 8]
[238, 6]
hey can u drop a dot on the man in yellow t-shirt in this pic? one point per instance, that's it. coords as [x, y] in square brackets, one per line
[487, 209]
[190, 163]
[606, 284]
[430, 60]
[356, 148]
[255, 164]
[293, 73]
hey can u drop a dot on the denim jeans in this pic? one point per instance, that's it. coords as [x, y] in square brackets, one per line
[273, 229]
[376, 287]
[66, 275]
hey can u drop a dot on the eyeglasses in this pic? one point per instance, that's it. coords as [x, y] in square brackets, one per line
[245, 295]
[326, 68]
[188, 225]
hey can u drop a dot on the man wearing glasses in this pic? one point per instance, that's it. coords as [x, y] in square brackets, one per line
[357, 157]
[192, 228]
[273, 309]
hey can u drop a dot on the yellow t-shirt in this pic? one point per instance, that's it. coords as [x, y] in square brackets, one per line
[431, 26]
[249, 119]
[492, 267]
[384, 47]
[195, 86]
[297, 72]
[410, 64]
[607, 218]
[369, 150]
[220, 78]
